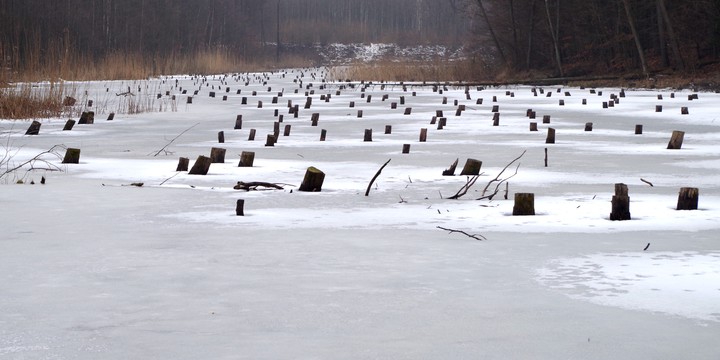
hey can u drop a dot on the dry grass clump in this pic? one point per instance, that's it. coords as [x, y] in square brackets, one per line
[28, 102]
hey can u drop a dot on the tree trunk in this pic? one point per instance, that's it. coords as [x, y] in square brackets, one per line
[671, 35]
[554, 35]
[313, 180]
[485, 18]
[524, 204]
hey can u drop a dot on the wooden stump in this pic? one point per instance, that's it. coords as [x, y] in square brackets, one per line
[676, 140]
[313, 180]
[406, 149]
[352, 104]
[224, 98]
[620, 203]
[360, 114]
[561, 102]
[69, 125]
[323, 134]
[111, 117]
[439, 113]
[393, 105]
[221, 137]
[688, 198]
[550, 136]
[87, 117]
[314, 118]
[423, 135]
[546, 119]
[495, 108]
[388, 129]
[72, 156]
[217, 155]
[684, 110]
[451, 170]
[34, 128]
[286, 130]
[189, 100]
[533, 126]
[247, 158]
[240, 207]
[212, 94]
[638, 129]
[472, 167]
[183, 164]
[441, 123]
[524, 204]
[238, 122]
[588, 126]
[270, 141]
[408, 111]
[584, 101]
[251, 135]
[201, 166]
[496, 119]
[368, 135]
[658, 108]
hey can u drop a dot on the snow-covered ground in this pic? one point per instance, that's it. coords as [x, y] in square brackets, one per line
[91, 268]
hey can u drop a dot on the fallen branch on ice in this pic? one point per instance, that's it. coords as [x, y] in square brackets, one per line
[476, 237]
[367, 192]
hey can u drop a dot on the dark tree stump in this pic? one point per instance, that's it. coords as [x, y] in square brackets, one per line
[479, 101]
[308, 102]
[388, 129]
[684, 110]
[247, 158]
[688, 198]
[676, 140]
[550, 136]
[524, 203]
[314, 118]
[34, 128]
[495, 108]
[270, 141]
[360, 114]
[69, 125]
[605, 104]
[189, 100]
[87, 117]
[183, 164]
[451, 170]
[352, 104]
[224, 98]
[313, 180]
[72, 156]
[240, 207]
[546, 119]
[423, 135]
[212, 94]
[201, 166]
[584, 101]
[441, 123]
[406, 149]
[251, 135]
[393, 105]
[658, 108]
[533, 126]
[402, 100]
[561, 102]
[368, 135]
[496, 119]
[439, 113]
[217, 155]
[620, 204]
[472, 167]
[221, 137]
[588, 126]
[286, 130]
[238, 122]
[638, 129]
[111, 117]
[323, 134]
[408, 111]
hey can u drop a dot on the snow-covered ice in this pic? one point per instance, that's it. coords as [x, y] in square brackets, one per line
[92, 268]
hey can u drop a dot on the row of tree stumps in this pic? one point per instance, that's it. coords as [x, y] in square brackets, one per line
[688, 199]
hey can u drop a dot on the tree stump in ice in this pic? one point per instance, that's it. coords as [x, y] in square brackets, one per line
[183, 164]
[684, 110]
[368, 135]
[496, 119]
[323, 134]
[451, 170]
[201, 166]
[69, 125]
[588, 126]
[638, 129]
[406, 149]
[251, 135]
[217, 155]
[34, 128]
[247, 158]
[524, 204]
[533, 126]
[221, 137]
[423, 135]
[550, 136]
[676, 139]
[688, 198]
[313, 180]
[620, 203]
[408, 111]
[388, 129]
[87, 117]
[240, 207]
[472, 167]
[270, 141]
[238, 122]
[546, 119]
[72, 156]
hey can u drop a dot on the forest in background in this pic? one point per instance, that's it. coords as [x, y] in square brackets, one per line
[84, 39]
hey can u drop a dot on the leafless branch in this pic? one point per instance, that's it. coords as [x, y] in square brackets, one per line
[173, 140]
[474, 236]
[464, 189]
[367, 192]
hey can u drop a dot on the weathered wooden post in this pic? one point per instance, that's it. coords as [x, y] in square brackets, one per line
[323, 134]
[688, 198]
[183, 164]
[313, 180]
[496, 119]
[251, 135]
[638, 129]
[588, 126]
[408, 111]
[270, 141]
[189, 100]
[240, 208]
[388, 129]
[441, 123]
[620, 203]
[221, 137]
[406, 149]
[111, 116]
[546, 119]
[314, 118]
[472, 167]
[359, 113]
[423, 134]
[87, 117]
[238, 122]
[69, 125]
[495, 108]
[524, 204]
[217, 155]
[201, 166]
[676, 140]
[247, 158]
[658, 108]
[439, 113]
[550, 136]
[34, 128]
[72, 156]
[533, 126]
[684, 110]
[451, 170]
[368, 135]
[286, 130]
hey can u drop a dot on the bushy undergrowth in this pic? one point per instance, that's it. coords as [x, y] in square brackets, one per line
[28, 102]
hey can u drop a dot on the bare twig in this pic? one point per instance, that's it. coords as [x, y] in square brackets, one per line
[499, 180]
[53, 151]
[647, 182]
[367, 192]
[173, 139]
[254, 185]
[474, 236]
[464, 189]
